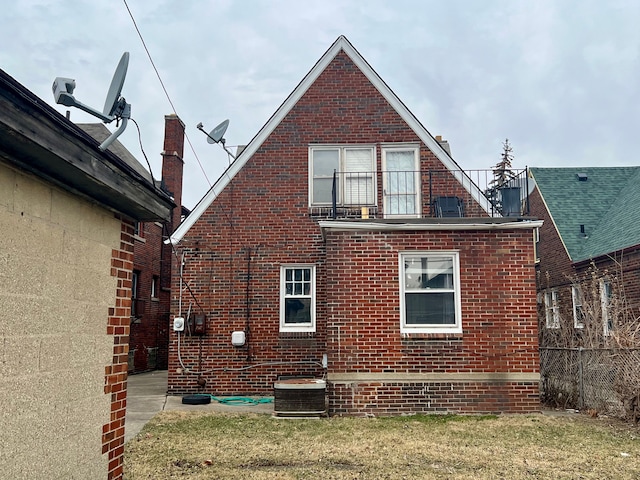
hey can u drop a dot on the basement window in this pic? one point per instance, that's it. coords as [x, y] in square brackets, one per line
[297, 298]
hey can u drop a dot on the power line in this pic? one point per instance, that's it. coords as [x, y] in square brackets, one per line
[164, 89]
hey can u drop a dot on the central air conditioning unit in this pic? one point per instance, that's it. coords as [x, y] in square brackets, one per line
[300, 397]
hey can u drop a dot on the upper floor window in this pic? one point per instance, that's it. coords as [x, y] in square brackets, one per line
[401, 181]
[430, 292]
[354, 183]
[551, 309]
[297, 298]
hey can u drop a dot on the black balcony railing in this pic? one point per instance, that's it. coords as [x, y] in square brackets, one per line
[431, 193]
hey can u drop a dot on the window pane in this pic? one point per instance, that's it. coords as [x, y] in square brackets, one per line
[325, 162]
[297, 275]
[322, 188]
[358, 160]
[403, 161]
[428, 273]
[297, 310]
[430, 309]
[358, 189]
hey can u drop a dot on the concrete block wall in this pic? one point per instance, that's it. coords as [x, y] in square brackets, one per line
[62, 333]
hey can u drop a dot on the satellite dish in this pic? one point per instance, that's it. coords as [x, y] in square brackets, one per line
[217, 133]
[115, 106]
[113, 96]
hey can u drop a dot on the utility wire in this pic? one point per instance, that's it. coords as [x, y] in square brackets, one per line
[164, 88]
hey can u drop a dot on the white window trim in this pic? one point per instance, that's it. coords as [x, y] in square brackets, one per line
[418, 181]
[605, 303]
[457, 327]
[551, 309]
[341, 168]
[300, 327]
[576, 298]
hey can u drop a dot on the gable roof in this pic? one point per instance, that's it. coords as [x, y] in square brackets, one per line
[607, 204]
[341, 44]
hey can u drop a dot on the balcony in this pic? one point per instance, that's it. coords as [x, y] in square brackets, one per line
[414, 194]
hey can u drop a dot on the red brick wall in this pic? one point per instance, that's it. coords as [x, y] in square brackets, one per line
[498, 317]
[381, 399]
[151, 327]
[261, 221]
[116, 373]
[153, 259]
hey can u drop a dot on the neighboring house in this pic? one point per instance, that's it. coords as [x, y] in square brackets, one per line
[344, 242]
[588, 250]
[151, 282]
[67, 213]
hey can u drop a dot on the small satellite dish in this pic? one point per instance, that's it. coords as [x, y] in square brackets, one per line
[217, 133]
[115, 106]
[113, 96]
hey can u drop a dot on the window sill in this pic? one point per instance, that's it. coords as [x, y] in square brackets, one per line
[296, 335]
[138, 238]
[155, 299]
[431, 336]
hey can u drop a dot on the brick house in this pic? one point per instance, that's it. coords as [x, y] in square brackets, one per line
[67, 213]
[151, 281]
[344, 242]
[151, 288]
[590, 237]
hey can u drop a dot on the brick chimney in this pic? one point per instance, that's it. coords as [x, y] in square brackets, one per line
[172, 164]
[444, 144]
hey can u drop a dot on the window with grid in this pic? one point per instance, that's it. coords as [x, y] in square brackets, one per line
[430, 293]
[297, 298]
[355, 175]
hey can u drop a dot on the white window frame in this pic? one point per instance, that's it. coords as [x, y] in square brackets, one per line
[343, 179]
[297, 327]
[606, 293]
[431, 328]
[415, 149]
[551, 309]
[578, 308]
[155, 286]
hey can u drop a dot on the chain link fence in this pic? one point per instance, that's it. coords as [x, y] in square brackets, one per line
[605, 380]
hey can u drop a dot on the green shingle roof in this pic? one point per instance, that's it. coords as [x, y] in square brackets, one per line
[607, 204]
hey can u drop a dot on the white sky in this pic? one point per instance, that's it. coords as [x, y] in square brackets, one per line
[560, 79]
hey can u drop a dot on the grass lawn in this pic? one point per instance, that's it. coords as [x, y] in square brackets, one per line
[254, 446]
